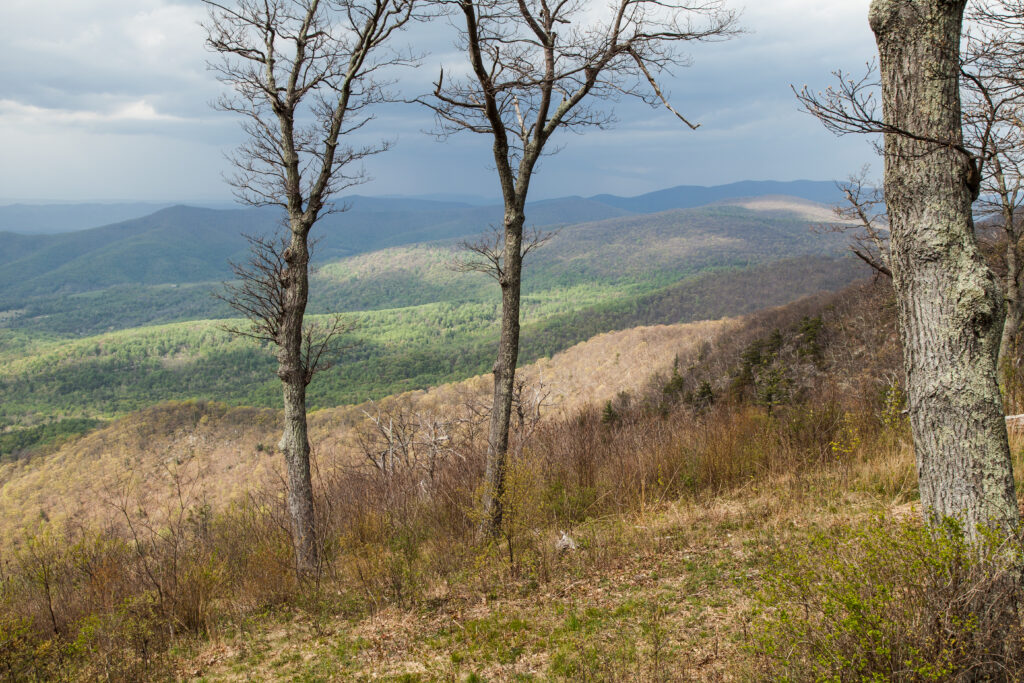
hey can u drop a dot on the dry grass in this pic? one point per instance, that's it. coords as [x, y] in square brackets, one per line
[672, 518]
[660, 594]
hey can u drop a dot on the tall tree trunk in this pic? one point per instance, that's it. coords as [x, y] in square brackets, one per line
[504, 372]
[1012, 295]
[291, 369]
[1013, 305]
[949, 302]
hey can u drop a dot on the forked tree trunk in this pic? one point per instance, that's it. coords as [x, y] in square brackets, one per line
[949, 303]
[291, 369]
[504, 373]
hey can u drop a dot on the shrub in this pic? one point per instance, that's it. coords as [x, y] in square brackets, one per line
[609, 415]
[890, 601]
[128, 643]
[22, 655]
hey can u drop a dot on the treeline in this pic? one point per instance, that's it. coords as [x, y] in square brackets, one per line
[19, 442]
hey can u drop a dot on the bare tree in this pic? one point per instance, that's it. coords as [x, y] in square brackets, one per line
[302, 74]
[949, 302]
[993, 94]
[401, 440]
[863, 218]
[537, 67]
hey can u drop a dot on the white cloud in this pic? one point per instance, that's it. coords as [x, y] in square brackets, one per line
[136, 110]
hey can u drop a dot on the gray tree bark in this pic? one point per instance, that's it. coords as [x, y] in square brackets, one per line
[504, 371]
[295, 376]
[515, 189]
[950, 307]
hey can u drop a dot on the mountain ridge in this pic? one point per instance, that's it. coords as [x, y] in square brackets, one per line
[63, 218]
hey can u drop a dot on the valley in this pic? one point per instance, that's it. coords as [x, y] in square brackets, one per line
[98, 342]
[701, 392]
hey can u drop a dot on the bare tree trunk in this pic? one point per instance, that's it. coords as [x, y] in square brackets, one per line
[292, 370]
[316, 63]
[950, 304]
[504, 373]
[1013, 298]
[1011, 281]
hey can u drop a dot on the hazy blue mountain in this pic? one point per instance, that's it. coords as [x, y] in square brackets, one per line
[403, 203]
[424, 211]
[116, 318]
[182, 244]
[687, 196]
[114, 282]
[177, 244]
[467, 199]
[43, 219]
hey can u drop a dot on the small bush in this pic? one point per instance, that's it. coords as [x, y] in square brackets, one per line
[128, 643]
[22, 655]
[891, 601]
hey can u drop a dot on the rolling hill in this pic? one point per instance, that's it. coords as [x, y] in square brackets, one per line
[183, 244]
[44, 378]
[687, 196]
[43, 219]
[226, 441]
[154, 271]
[98, 323]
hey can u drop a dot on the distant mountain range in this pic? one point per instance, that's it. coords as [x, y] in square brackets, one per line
[46, 219]
[688, 196]
[188, 244]
[183, 244]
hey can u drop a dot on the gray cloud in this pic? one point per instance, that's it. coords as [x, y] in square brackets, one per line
[110, 100]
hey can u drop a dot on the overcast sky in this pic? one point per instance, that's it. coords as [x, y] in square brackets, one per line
[109, 99]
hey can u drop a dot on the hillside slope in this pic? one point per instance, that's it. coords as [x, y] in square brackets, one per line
[85, 478]
[686, 196]
[40, 219]
[740, 508]
[164, 268]
[226, 451]
[389, 352]
[184, 244]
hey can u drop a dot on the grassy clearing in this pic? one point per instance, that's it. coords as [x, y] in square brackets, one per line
[672, 592]
[663, 594]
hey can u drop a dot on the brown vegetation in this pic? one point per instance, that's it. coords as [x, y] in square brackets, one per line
[230, 449]
[682, 496]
